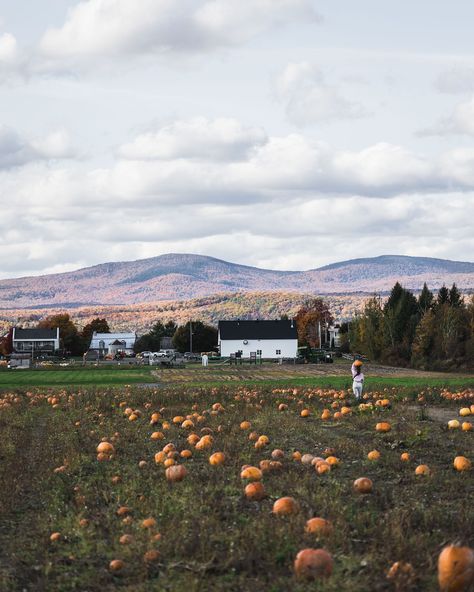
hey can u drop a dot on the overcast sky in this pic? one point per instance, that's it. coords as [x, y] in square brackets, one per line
[285, 134]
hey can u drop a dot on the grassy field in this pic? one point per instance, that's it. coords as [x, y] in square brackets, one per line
[207, 534]
[335, 375]
[80, 376]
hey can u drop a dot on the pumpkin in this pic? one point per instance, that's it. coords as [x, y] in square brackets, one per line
[186, 454]
[325, 415]
[332, 460]
[157, 436]
[105, 448]
[169, 462]
[322, 467]
[402, 574]
[277, 453]
[363, 485]
[218, 458]
[255, 491]
[155, 417]
[55, 536]
[160, 457]
[123, 511]
[453, 424]
[178, 419]
[193, 439]
[305, 413]
[126, 539]
[466, 426]
[455, 568]
[116, 565]
[245, 425]
[405, 456]
[187, 424]
[461, 463]
[423, 470]
[464, 412]
[176, 473]
[148, 523]
[307, 459]
[296, 455]
[383, 426]
[312, 564]
[151, 556]
[318, 526]
[251, 474]
[285, 506]
[373, 455]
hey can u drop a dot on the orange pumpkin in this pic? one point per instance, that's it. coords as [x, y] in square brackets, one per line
[285, 506]
[176, 473]
[423, 470]
[373, 455]
[461, 463]
[148, 523]
[116, 565]
[105, 448]
[405, 456]
[318, 526]
[313, 564]
[255, 491]
[151, 556]
[455, 568]
[383, 426]
[218, 458]
[251, 474]
[363, 485]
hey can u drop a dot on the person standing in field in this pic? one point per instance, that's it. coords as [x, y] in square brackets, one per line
[357, 379]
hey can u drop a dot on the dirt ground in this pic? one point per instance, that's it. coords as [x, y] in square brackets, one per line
[270, 371]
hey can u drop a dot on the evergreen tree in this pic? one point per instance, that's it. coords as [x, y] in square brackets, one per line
[425, 300]
[443, 296]
[204, 337]
[455, 299]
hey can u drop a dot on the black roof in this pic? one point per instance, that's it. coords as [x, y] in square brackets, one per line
[43, 334]
[257, 330]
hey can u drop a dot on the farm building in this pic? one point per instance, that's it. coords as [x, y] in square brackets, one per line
[113, 343]
[266, 339]
[36, 341]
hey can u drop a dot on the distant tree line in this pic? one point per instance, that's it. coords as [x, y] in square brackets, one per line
[426, 332]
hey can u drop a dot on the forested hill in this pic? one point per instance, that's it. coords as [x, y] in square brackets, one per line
[185, 276]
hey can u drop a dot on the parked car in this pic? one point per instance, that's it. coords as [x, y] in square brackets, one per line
[145, 354]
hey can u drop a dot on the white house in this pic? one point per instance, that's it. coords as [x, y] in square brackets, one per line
[266, 339]
[45, 341]
[112, 343]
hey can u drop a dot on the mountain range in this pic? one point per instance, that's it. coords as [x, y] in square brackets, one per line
[186, 276]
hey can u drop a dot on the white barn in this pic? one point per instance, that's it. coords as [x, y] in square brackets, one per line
[267, 339]
[111, 343]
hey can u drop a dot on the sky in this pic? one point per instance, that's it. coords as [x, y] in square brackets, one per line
[284, 134]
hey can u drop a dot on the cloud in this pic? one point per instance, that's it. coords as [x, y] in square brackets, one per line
[460, 122]
[309, 99]
[198, 138]
[459, 79]
[110, 28]
[278, 201]
[17, 150]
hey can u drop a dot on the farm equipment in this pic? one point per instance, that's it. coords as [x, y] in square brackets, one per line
[312, 355]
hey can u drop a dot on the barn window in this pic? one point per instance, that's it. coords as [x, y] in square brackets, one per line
[259, 352]
[278, 352]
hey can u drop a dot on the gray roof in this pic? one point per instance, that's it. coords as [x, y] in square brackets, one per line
[257, 330]
[36, 334]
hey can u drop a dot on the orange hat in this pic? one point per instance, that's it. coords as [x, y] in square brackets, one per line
[358, 363]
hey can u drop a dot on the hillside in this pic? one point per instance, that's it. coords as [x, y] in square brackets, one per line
[183, 277]
[139, 318]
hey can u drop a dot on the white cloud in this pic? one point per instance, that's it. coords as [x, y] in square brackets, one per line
[200, 138]
[17, 150]
[8, 49]
[460, 122]
[122, 27]
[309, 99]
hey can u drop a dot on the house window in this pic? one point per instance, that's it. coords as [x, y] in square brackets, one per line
[259, 352]
[278, 352]
[101, 344]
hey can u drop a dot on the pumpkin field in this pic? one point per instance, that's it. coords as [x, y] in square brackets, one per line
[236, 488]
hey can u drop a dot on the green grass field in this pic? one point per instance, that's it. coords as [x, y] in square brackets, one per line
[334, 376]
[65, 377]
